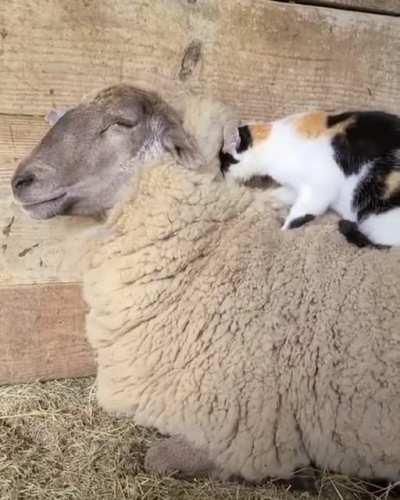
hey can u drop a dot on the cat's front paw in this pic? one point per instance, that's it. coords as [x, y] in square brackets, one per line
[297, 222]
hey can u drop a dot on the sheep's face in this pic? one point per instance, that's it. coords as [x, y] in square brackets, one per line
[87, 157]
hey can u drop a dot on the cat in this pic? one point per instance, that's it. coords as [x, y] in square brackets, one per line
[347, 162]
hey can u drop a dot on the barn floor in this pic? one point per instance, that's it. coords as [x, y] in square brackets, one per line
[55, 443]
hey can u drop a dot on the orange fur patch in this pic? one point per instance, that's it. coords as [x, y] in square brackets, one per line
[312, 125]
[392, 184]
[260, 131]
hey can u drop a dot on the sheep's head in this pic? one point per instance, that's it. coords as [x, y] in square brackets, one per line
[87, 157]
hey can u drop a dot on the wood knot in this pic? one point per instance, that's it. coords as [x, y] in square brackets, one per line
[190, 59]
[7, 229]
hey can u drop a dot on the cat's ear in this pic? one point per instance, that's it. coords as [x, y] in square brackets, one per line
[55, 114]
[231, 137]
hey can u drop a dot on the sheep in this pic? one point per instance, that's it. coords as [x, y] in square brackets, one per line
[256, 351]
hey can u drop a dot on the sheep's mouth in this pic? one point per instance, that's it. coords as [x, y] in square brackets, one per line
[45, 209]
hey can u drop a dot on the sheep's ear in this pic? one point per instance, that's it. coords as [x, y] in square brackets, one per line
[55, 114]
[183, 147]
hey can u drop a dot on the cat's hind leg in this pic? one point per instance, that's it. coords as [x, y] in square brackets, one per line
[353, 235]
[382, 229]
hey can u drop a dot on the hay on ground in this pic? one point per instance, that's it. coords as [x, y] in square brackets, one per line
[55, 443]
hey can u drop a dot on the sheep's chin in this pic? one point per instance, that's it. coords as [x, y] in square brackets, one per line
[49, 208]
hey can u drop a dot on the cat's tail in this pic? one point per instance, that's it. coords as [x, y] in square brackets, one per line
[353, 235]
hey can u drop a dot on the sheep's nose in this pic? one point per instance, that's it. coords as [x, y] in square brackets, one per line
[21, 182]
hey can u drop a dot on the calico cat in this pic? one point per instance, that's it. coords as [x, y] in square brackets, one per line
[349, 162]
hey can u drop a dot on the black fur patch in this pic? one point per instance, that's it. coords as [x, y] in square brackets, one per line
[246, 141]
[333, 120]
[352, 234]
[226, 160]
[300, 221]
[370, 194]
[373, 135]
[259, 182]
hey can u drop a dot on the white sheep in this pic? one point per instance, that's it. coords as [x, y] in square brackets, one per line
[257, 351]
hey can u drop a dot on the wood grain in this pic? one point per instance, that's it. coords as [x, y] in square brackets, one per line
[269, 58]
[377, 6]
[41, 334]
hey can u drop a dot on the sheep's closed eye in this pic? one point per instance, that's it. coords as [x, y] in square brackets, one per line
[119, 125]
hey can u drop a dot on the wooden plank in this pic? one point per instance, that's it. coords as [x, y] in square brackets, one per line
[18, 134]
[377, 6]
[38, 252]
[269, 58]
[41, 334]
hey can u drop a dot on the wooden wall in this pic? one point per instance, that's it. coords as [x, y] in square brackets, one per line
[267, 57]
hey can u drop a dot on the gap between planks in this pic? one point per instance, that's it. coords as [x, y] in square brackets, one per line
[340, 6]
